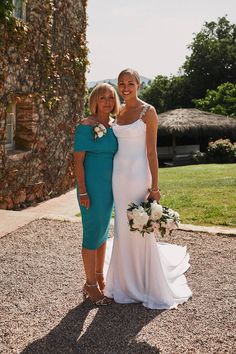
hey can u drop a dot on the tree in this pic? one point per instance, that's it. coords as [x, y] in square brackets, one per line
[211, 63]
[213, 58]
[220, 101]
[178, 94]
[155, 92]
[167, 93]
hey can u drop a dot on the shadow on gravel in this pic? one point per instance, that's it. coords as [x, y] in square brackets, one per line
[113, 329]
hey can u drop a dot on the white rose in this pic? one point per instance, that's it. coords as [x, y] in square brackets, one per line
[135, 212]
[140, 208]
[101, 126]
[156, 211]
[137, 227]
[140, 219]
[99, 134]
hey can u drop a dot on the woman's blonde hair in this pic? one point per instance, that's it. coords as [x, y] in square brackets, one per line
[98, 91]
[132, 72]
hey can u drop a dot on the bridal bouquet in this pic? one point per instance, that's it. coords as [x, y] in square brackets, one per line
[150, 217]
[99, 131]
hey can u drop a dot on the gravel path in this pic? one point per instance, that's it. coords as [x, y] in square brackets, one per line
[42, 311]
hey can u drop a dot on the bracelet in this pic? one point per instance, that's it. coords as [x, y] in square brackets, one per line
[83, 194]
[153, 190]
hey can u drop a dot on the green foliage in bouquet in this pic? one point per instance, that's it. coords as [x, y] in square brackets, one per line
[147, 228]
[150, 217]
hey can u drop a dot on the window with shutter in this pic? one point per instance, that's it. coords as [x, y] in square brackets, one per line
[19, 9]
[10, 126]
[21, 124]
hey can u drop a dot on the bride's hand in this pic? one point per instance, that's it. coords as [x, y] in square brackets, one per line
[155, 196]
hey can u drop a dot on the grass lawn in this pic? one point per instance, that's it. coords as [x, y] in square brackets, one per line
[202, 194]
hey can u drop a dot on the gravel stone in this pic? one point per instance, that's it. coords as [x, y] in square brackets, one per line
[41, 277]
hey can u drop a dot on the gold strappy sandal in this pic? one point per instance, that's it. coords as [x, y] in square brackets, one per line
[103, 301]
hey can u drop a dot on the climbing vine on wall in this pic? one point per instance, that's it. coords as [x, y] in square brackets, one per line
[43, 59]
[7, 19]
[6, 10]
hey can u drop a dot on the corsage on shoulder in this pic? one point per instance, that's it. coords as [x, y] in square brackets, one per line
[99, 131]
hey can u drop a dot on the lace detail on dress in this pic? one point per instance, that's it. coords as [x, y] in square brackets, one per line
[144, 111]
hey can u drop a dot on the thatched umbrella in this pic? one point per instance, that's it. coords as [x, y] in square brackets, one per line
[193, 122]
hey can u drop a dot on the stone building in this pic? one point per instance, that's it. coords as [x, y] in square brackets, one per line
[43, 58]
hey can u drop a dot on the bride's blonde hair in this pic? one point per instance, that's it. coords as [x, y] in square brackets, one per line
[132, 72]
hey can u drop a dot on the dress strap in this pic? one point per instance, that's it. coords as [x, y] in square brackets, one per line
[144, 111]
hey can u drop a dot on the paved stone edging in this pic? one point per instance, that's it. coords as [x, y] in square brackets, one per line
[216, 230]
[65, 207]
[13, 220]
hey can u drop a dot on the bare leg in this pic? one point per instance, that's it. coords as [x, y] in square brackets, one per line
[100, 258]
[89, 259]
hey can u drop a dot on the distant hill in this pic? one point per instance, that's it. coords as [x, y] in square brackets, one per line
[114, 81]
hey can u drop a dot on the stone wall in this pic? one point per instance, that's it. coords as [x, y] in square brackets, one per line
[42, 75]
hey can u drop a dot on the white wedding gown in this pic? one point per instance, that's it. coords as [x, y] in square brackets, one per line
[139, 269]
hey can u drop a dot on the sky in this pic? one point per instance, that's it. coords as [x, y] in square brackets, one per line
[150, 36]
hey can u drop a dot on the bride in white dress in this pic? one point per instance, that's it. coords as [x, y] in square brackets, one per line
[140, 269]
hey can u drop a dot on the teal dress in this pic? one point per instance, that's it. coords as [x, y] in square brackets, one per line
[98, 165]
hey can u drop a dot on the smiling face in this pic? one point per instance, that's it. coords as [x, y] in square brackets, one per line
[105, 102]
[128, 86]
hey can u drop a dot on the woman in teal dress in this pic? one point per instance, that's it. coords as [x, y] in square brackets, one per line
[94, 149]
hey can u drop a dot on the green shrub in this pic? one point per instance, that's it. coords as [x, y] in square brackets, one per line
[221, 151]
[199, 157]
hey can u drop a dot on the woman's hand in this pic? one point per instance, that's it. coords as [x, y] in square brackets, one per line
[84, 201]
[155, 196]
